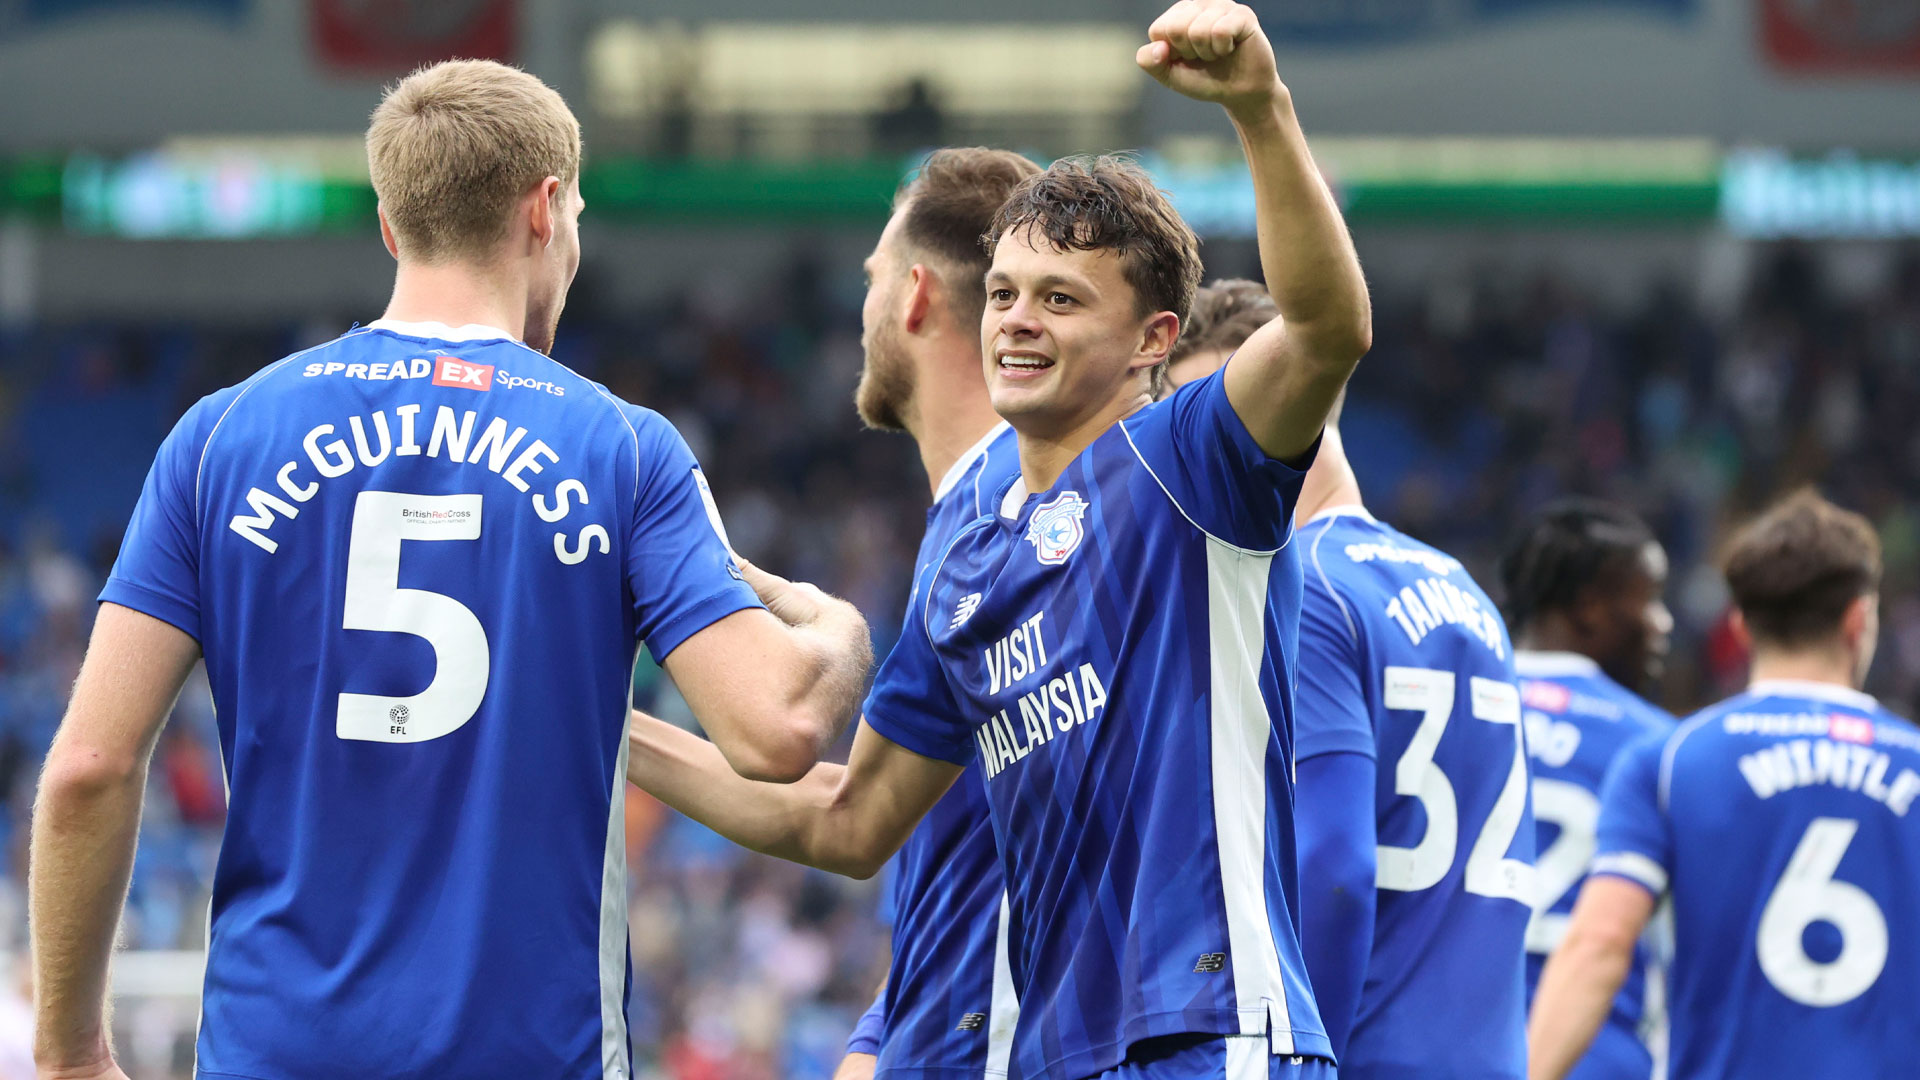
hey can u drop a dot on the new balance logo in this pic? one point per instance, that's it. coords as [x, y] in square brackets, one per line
[972, 1022]
[964, 610]
[449, 371]
[1210, 963]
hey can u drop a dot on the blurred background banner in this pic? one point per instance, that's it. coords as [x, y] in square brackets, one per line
[1871, 35]
[393, 37]
[1342, 22]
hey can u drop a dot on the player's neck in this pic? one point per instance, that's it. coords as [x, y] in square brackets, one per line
[457, 294]
[951, 414]
[1046, 453]
[1832, 664]
[1330, 483]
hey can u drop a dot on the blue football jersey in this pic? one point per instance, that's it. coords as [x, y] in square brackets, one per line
[418, 561]
[1117, 653]
[1779, 824]
[1578, 721]
[949, 1006]
[1404, 659]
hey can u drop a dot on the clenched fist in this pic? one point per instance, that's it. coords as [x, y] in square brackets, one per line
[1213, 50]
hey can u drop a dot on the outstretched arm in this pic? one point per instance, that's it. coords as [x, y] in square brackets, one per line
[85, 822]
[848, 819]
[1583, 975]
[1284, 380]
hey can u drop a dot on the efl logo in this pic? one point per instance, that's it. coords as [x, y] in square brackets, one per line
[449, 371]
[1853, 729]
[1546, 696]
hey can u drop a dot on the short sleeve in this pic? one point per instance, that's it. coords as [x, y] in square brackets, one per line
[873, 1023]
[1330, 707]
[1209, 464]
[158, 571]
[682, 573]
[911, 703]
[1634, 838]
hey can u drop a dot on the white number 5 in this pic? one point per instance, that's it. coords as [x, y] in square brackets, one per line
[375, 601]
[1489, 871]
[1807, 893]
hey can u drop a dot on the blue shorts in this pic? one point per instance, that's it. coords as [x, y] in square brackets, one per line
[1214, 1057]
[1616, 1054]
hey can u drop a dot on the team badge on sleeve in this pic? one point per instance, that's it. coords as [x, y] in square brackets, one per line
[1056, 529]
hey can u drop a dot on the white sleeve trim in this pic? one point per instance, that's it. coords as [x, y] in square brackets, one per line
[1634, 866]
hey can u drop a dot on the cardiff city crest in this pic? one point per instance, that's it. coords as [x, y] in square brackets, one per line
[1056, 529]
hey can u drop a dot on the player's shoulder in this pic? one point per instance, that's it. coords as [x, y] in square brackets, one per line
[1351, 538]
[981, 471]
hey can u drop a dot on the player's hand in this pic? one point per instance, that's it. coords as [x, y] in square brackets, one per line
[1213, 50]
[795, 603]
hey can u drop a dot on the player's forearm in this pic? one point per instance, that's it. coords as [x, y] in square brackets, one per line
[1337, 888]
[839, 651]
[1576, 991]
[1306, 254]
[788, 821]
[86, 821]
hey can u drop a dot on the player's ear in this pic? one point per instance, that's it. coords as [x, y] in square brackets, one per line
[1156, 340]
[543, 210]
[1858, 622]
[386, 232]
[1742, 635]
[919, 297]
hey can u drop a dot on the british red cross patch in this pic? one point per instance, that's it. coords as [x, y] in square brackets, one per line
[453, 371]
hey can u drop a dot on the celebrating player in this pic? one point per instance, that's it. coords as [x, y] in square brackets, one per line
[1780, 823]
[947, 1008]
[1114, 642]
[1583, 583]
[417, 560]
[1414, 880]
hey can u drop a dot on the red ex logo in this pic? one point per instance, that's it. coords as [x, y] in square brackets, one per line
[450, 371]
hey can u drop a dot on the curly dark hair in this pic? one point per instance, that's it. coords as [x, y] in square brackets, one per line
[1109, 203]
[1570, 546]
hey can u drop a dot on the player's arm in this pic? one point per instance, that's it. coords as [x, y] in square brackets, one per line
[1337, 840]
[1627, 879]
[848, 819]
[1283, 381]
[863, 1046]
[85, 822]
[774, 688]
[1582, 976]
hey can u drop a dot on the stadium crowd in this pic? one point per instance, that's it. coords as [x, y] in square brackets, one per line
[1475, 405]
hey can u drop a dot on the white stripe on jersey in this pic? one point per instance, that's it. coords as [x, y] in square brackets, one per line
[1239, 729]
[1632, 864]
[613, 921]
[1246, 1059]
[1003, 1011]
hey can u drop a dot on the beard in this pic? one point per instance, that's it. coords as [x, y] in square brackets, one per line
[886, 383]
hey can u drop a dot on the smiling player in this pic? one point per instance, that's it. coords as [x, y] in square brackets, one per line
[1113, 644]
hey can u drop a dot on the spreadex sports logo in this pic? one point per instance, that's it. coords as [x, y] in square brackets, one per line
[1056, 530]
[453, 371]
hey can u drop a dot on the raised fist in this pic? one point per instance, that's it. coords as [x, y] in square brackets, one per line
[1212, 50]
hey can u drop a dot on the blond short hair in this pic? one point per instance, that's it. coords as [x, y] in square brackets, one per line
[455, 144]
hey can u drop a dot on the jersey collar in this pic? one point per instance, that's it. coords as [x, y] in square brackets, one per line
[1347, 510]
[960, 467]
[1547, 665]
[1819, 691]
[438, 331]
